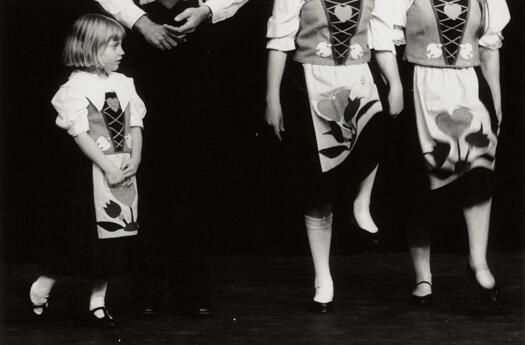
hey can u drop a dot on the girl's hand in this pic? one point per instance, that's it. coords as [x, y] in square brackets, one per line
[130, 167]
[114, 176]
[274, 117]
[395, 100]
[128, 182]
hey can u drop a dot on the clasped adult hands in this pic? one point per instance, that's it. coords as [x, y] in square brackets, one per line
[157, 35]
[191, 19]
[167, 37]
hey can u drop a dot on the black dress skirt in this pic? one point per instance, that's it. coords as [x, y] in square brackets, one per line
[315, 187]
[68, 237]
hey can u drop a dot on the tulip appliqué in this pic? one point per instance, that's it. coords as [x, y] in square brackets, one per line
[126, 195]
[455, 126]
[342, 114]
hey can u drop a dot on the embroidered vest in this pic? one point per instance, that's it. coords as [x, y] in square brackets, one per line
[109, 128]
[334, 32]
[444, 33]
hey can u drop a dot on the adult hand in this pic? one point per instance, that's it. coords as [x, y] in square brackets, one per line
[395, 100]
[193, 17]
[274, 118]
[157, 35]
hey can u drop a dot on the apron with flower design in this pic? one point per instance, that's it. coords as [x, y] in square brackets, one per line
[343, 96]
[457, 128]
[116, 208]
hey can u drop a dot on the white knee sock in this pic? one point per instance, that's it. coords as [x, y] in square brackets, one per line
[319, 232]
[39, 292]
[98, 298]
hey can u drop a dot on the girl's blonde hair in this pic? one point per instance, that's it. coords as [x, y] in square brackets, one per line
[89, 35]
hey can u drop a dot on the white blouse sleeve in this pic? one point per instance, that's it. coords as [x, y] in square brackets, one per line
[283, 25]
[137, 108]
[496, 16]
[398, 10]
[124, 11]
[71, 106]
[380, 28]
[223, 9]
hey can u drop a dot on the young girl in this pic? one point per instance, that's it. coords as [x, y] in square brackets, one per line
[333, 94]
[101, 110]
[453, 49]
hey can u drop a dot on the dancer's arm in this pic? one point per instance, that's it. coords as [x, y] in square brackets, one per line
[388, 65]
[274, 114]
[113, 173]
[130, 166]
[490, 68]
[496, 17]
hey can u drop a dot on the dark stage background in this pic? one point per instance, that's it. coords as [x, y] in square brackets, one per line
[253, 209]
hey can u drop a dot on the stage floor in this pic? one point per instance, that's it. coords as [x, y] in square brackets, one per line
[261, 300]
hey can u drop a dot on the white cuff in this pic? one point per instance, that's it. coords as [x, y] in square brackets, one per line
[493, 41]
[130, 16]
[217, 10]
[284, 44]
[78, 129]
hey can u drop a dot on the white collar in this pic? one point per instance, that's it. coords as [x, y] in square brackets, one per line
[94, 88]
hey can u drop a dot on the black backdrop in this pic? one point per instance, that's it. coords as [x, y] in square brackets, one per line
[254, 212]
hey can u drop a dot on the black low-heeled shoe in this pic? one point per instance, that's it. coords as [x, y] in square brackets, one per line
[105, 322]
[491, 295]
[202, 311]
[42, 315]
[422, 300]
[145, 311]
[371, 238]
[321, 308]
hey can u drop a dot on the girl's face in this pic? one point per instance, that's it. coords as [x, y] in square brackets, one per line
[111, 55]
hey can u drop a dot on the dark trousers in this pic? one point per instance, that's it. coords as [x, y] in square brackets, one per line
[176, 174]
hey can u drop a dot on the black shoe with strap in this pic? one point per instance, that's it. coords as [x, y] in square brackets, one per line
[199, 311]
[321, 308]
[145, 310]
[39, 316]
[491, 295]
[371, 238]
[422, 300]
[105, 322]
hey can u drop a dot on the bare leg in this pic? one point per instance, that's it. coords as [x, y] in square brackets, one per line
[477, 218]
[318, 222]
[362, 204]
[420, 255]
[40, 291]
[98, 298]
[419, 242]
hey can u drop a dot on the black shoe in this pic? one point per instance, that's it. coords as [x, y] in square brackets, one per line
[34, 314]
[371, 238]
[201, 311]
[422, 300]
[105, 322]
[321, 308]
[489, 295]
[145, 311]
